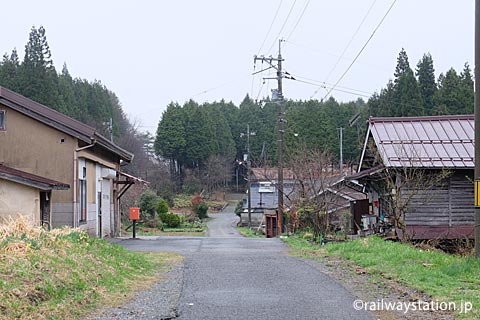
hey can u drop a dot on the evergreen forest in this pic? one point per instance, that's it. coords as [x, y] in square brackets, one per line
[201, 145]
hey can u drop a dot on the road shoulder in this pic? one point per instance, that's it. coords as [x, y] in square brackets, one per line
[371, 288]
[159, 301]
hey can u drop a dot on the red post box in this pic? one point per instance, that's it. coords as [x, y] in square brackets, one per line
[134, 214]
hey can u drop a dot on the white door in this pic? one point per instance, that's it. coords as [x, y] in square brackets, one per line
[106, 214]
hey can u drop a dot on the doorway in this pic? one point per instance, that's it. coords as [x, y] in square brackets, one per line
[45, 209]
[99, 220]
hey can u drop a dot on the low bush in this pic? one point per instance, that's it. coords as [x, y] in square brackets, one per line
[182, 201]
[171, 220]
[162, 207]
[200, 210]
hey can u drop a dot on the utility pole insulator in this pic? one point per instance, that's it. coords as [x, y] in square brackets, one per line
[277, 97]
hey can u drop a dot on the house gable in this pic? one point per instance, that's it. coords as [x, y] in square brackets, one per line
[428, 142]
[59, 121]
[417, 147]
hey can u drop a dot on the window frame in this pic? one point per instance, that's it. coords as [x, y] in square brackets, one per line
[82, 203]
[3, 116]
[82, 195]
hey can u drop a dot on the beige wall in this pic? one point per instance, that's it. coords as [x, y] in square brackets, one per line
[34, 147]
[37, 148]
[17, 199]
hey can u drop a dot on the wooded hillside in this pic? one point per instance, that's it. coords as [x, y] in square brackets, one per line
[207, 141]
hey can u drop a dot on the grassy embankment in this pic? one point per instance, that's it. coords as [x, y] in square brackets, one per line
[250, 233]
[61, 274]
[442, 276]
[186, 229]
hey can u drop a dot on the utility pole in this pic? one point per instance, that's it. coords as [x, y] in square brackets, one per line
[247, 159]
[109, 125]
[477, 126]
[111, 129]
[341, 150]
[249, 179]
[279, 101]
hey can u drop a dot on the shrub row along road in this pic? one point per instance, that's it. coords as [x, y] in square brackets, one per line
[226, 276]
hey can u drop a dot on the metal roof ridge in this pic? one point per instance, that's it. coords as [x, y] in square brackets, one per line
[421, 118]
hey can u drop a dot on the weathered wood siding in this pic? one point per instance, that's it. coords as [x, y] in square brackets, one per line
[450, 204]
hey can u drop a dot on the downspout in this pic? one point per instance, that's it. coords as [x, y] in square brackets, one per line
[75, 169]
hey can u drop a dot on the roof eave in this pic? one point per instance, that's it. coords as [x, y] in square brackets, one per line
[34, 184]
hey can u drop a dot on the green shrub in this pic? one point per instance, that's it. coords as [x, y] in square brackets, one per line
[239, 208]
[171, 220]
[162, 207]
[200, 210]
[182, 201]
[148, 204]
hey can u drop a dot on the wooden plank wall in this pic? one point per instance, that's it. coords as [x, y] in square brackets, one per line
[450, 204]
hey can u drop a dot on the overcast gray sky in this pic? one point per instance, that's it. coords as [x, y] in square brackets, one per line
[153, 52]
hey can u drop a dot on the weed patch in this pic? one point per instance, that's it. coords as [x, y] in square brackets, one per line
[441, 276]
[62, 273]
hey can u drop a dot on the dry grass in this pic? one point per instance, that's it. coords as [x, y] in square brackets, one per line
[60, 274]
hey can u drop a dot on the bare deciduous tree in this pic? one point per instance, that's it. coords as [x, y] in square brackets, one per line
[412, 182]
[313, 197]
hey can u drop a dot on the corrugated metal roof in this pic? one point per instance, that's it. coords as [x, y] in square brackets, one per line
[29, 179]
[433, 142]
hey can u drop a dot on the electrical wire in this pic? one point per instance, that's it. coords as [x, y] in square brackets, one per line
[214, 88]
[283, 26]
[298, 20]
[324, 86]
[320, 52]
[260, 90]
[251, 89]
[319, 83]
[270, 29]
[350, 42]
[361, 50]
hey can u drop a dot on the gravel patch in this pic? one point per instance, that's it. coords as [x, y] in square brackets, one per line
[157, 302]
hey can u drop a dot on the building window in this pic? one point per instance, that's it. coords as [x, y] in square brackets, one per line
[83, 200]
[2, 120]
[83, 192]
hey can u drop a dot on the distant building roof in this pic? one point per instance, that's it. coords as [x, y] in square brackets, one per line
[59, 121]
[30, 180]
[431, 142]
[271, 174]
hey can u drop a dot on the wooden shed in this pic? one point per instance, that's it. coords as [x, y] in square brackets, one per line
[431, 162]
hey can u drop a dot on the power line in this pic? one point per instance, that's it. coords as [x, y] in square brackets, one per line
[260, 90]
[299, 18]
[214, 88]
[361, 50]
[350, 42]
[324, 86]
[318, 83]
[320, 52]
[283, 26]
[270, 29]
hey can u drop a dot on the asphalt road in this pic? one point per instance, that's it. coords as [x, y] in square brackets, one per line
[226, 276]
